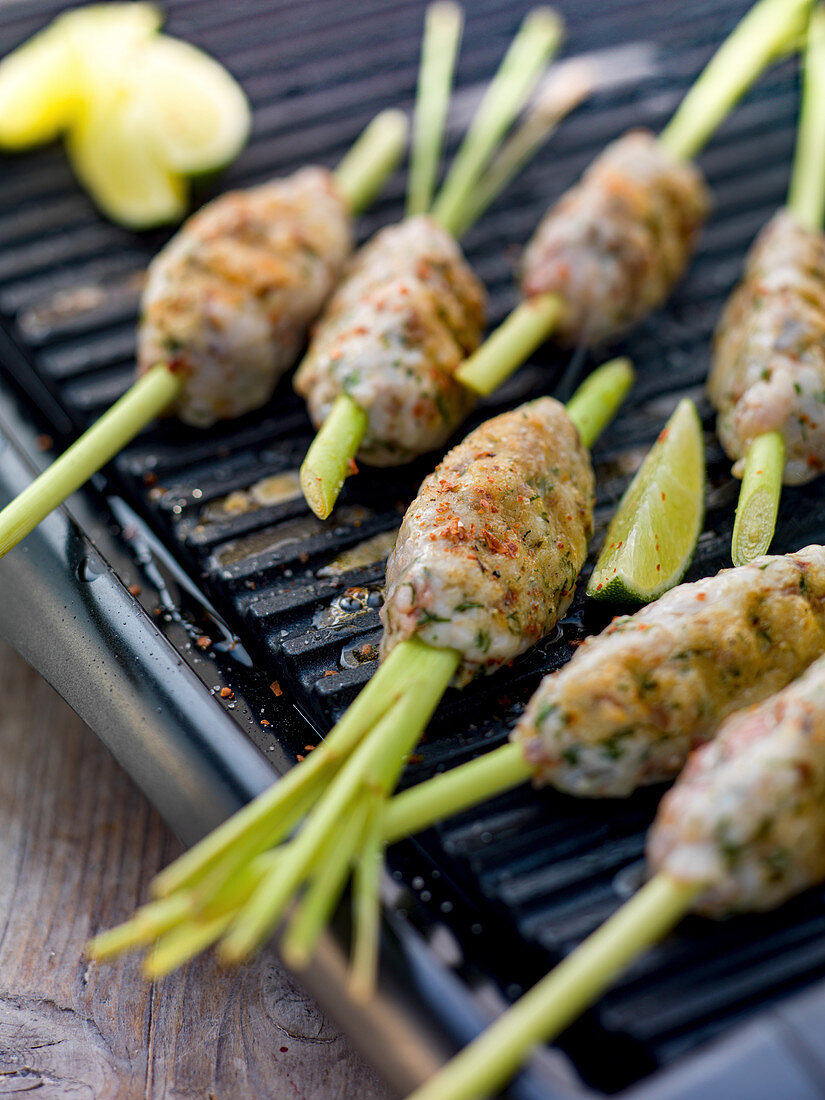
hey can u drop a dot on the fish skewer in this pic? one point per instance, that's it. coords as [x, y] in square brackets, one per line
[633, 701]
[226, 308]
[606, 254]
[612, 248]
[379, 373]
[525, 475]
[742, 830]
[768, 373]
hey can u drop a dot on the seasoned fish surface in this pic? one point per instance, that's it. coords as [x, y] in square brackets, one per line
[747, 815]
[769, 360]
[616, 243]
[407, 314]
[489, 551]
[635, 699]
[229, 299]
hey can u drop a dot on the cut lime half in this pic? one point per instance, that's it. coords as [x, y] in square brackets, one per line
[652, 537]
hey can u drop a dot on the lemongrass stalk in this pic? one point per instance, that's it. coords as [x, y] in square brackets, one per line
[483, 1067]
[269, 902]
[538, 38]
[181, 944]
[758, 498]
[455, 790]
[326, 886]
[770, 28]
[372, 159]
[565, 90]
[806, 195]
[442, 36]
[761, 488]
[149, 922]
[428, 668]
[366, 904]
[515, 340]
[597, 400]
[149, 396]
[366, 710]
[331, 456]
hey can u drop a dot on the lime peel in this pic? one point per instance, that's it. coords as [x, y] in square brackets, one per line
[652, 537]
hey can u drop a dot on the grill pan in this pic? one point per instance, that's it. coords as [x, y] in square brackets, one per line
[209, 629]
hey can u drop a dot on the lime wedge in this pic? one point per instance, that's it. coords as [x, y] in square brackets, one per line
[37, 92]
[652, 537]
[197, 112]
[114, 157]
[39, 82]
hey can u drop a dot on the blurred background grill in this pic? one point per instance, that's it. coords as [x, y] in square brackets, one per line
[521, 880]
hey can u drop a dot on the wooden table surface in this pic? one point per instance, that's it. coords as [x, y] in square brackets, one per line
[78, 846]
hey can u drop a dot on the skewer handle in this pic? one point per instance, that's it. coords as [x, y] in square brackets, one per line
[769, 29]
[147, 398]
[331, 456]
[372, 159]
[442, 35]
[551, 1005]
[758, 498]
[515, 340]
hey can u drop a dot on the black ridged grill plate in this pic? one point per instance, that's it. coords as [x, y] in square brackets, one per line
[521, 880]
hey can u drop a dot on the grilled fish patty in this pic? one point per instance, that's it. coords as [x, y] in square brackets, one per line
[615, 244]
[489, 551]
[769, 359]
[633, 701]
[229, 300]
[407, 314]
[747, 815]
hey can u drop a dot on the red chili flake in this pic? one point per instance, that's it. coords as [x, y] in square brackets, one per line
[353, 467]
[227, 693]
[203, 641]
[415, 758]
[44, 442]
[599, 586]
[303, 557]
[664, 496]
[276, 688]
[264, 722]
[299, 758]
[658, 567]
[150, 479]
[701, 596]
[330, 672]
[135, 589]
[308, 748]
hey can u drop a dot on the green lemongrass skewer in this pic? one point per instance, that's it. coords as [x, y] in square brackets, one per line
[455, 790]
[599, 397]
[149, 922]
[179, 945]
[565, 90]
[761, 488]
[373, 158]
[316, 907]
[770, 29]
[806, 194]
[331, 456]
[538, 38]
[759, 495]
[366, 904]
[428, 668]
[360, 175]
[554, 1002]
[515, 340]
[151, 395]
[258, 816]
[442, 36]
[591, 408]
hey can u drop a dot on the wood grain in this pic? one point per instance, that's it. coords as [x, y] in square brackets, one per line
[78, 846]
